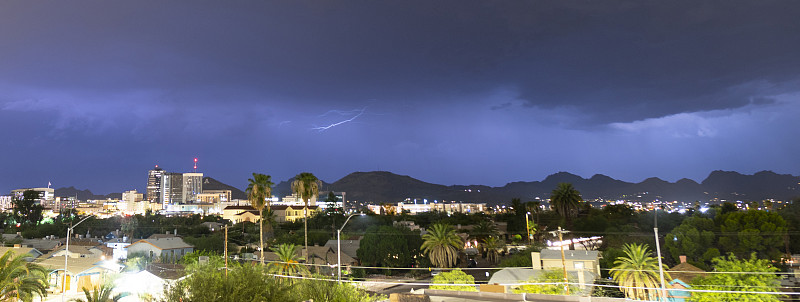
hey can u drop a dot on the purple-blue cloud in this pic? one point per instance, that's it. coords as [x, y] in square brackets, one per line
[93, 94]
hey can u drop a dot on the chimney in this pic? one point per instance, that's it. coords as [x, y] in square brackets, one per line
[683, 258]
[536, 259]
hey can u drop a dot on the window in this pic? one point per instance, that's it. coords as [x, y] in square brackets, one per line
[578, 264]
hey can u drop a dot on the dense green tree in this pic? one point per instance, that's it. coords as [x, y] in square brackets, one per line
[441, 244]
[564, 199]
[244, 282]
[637, 272]
[21, 280]
[259, 191]
[791, 214]
[26, 211]
[306, 186]
[740, 276]
[385, 246]
[692, 238]
[330, 291]
[542, 284]
[456, 276]
[743, 232]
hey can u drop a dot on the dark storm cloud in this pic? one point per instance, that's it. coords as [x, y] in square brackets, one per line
[428, 88]
[613, 61]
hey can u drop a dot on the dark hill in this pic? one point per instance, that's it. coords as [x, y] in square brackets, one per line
[213, 184]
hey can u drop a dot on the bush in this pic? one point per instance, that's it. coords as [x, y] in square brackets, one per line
[549, 276]
[331, 291]
[455, 276]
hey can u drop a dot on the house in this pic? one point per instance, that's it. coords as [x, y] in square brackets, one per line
[574, 260]
[85, 272]
[163, 248]
[119, 247]
[19, 250]
[283, 213]
[682, 275]
[238, 214]
[349, 247]
[80, 251]
[291, 213]
[148, 282]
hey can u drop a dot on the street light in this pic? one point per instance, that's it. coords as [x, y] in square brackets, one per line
[339, 246]
[66, 257]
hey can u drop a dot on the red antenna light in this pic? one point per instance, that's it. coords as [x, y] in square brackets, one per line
[195, 164]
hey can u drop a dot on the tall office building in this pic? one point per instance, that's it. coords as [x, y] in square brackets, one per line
[154, 185]
[180, 188]
[171, 188]
[192, 186]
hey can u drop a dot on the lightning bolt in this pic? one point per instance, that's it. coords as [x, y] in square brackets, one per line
[358, 113]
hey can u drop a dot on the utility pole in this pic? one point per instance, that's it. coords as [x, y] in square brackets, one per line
[662, 290]
[226, 250]
[560, 232]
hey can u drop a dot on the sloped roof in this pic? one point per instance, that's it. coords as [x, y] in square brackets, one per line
[77, 266]
[570, 255]
[21, 250]
[349, 247]
[685, 272]
[165, 243]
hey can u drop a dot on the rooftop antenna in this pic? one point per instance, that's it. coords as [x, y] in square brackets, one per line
[195, 165]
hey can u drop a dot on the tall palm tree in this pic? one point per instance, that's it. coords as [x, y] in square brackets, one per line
[564, 200]
[484, 229]
[492, 244]
[288, 263]
[20, 279]
[259, 190]
[99, 294]
[306, 186]
[637, 272]
[442, 245]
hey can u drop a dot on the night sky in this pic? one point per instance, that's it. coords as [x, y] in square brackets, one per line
[95, 93]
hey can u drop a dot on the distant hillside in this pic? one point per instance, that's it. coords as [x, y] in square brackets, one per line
[83, 194]
[284, 188]
[381, 186]
[213, 184]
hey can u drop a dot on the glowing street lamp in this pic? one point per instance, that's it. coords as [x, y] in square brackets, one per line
[66, 256]
[339, 246]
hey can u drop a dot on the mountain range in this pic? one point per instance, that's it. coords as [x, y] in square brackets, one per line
[382, 186]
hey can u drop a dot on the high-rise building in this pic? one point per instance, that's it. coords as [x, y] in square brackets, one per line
[171, 188]
[192, 186]
[180, 188]
[154, 185]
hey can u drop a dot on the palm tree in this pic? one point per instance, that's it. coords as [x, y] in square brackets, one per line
[564, 200]
[258, 191]
[492, 244]
[484, 229]
[306, 185]
[637, 272]
[288, 264]
[99, 294]
[20, 279]
[442, 245]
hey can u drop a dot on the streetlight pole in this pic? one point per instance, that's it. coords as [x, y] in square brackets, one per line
[66, 257]
[339, 247]
[662, 288]
[528, 228]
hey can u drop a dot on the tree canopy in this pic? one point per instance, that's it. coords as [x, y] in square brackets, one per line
[742, 276]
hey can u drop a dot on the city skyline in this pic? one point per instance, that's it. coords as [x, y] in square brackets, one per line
[463, 92]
